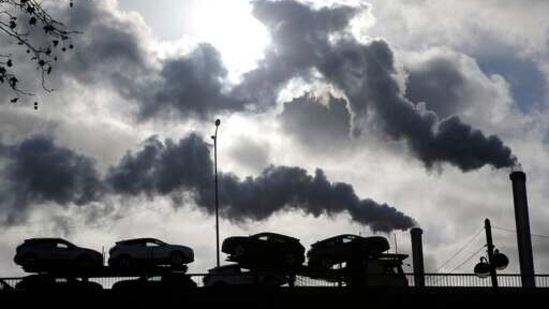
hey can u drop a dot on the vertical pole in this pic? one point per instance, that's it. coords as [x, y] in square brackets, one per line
[522, 222]
[417, 255]
[217, 123]
[490, 245]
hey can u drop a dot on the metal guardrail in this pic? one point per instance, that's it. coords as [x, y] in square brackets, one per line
[431, 280]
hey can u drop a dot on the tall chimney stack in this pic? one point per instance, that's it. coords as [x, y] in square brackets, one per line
[518, 179]
[417, 256]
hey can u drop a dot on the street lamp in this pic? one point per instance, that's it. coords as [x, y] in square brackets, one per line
[214, 137]
[496, 260]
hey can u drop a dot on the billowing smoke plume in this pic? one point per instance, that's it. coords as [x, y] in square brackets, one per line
[307, 39]
[37, 171]
[166, 168]
[307, 43]
[282, 187]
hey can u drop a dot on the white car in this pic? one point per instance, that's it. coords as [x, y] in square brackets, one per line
[148, 252]
[233, 274]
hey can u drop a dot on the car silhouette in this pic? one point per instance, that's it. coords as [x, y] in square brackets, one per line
[50, 283]
[264, 250]
[234, 275]
[343, 248]
[170, 282]
[146, 252]
[45, 254]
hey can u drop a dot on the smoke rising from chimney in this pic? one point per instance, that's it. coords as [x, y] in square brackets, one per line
[38, 171]
[307, 39]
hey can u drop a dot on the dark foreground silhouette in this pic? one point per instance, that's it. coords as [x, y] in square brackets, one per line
[264, 297]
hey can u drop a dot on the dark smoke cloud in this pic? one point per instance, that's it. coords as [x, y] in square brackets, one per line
[168, 168]
[113, 53]
[366, 74]
[192, 85]
[38, 171]
[306, 42]
[296, 49]
[317, 124]
[439, 83]
[279, 188]
[163, 168]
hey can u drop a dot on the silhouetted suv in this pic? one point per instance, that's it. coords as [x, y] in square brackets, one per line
[43, 254]
[264, 250]
[148, 252]
[344, 248]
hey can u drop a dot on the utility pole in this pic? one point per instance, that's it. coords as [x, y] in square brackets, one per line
[214, 137]
[490, 245]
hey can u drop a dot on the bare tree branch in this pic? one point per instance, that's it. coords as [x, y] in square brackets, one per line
[27, 24]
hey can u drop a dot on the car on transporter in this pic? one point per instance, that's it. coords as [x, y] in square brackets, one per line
[48, 254]
[335, 250]
[265, 251]
[148, 252]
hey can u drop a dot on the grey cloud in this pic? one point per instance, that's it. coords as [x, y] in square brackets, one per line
[112, 53]
[299, 37]
[439, 83]
[38, 171]
[318, 125]
[162, 168]
[366, 74]
[279, 188]
[253, 155]
[168, 168]
[192, 85]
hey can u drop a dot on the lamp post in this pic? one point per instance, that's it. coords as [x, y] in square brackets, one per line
[214, 137]
[495, 261]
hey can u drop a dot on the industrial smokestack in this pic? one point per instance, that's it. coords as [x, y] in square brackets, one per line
[518, 178]
[417, 256]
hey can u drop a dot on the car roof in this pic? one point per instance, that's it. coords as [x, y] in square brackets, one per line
[45, 239]
[136, 240]
[275, 235]
[338, 237]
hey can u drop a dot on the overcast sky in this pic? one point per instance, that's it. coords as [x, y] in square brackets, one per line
[361, 117]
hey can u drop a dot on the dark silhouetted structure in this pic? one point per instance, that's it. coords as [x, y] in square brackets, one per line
[417, 256]
[518, 179]
[214, 137]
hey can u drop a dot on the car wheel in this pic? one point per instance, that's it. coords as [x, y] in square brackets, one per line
[125, 261]
[176, 259]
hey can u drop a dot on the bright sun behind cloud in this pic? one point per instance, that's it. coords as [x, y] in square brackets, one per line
[231, 28]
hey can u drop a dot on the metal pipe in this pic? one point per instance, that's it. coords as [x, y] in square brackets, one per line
[522, 221]
[490, 245]
[417, 256]
[214, 137]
